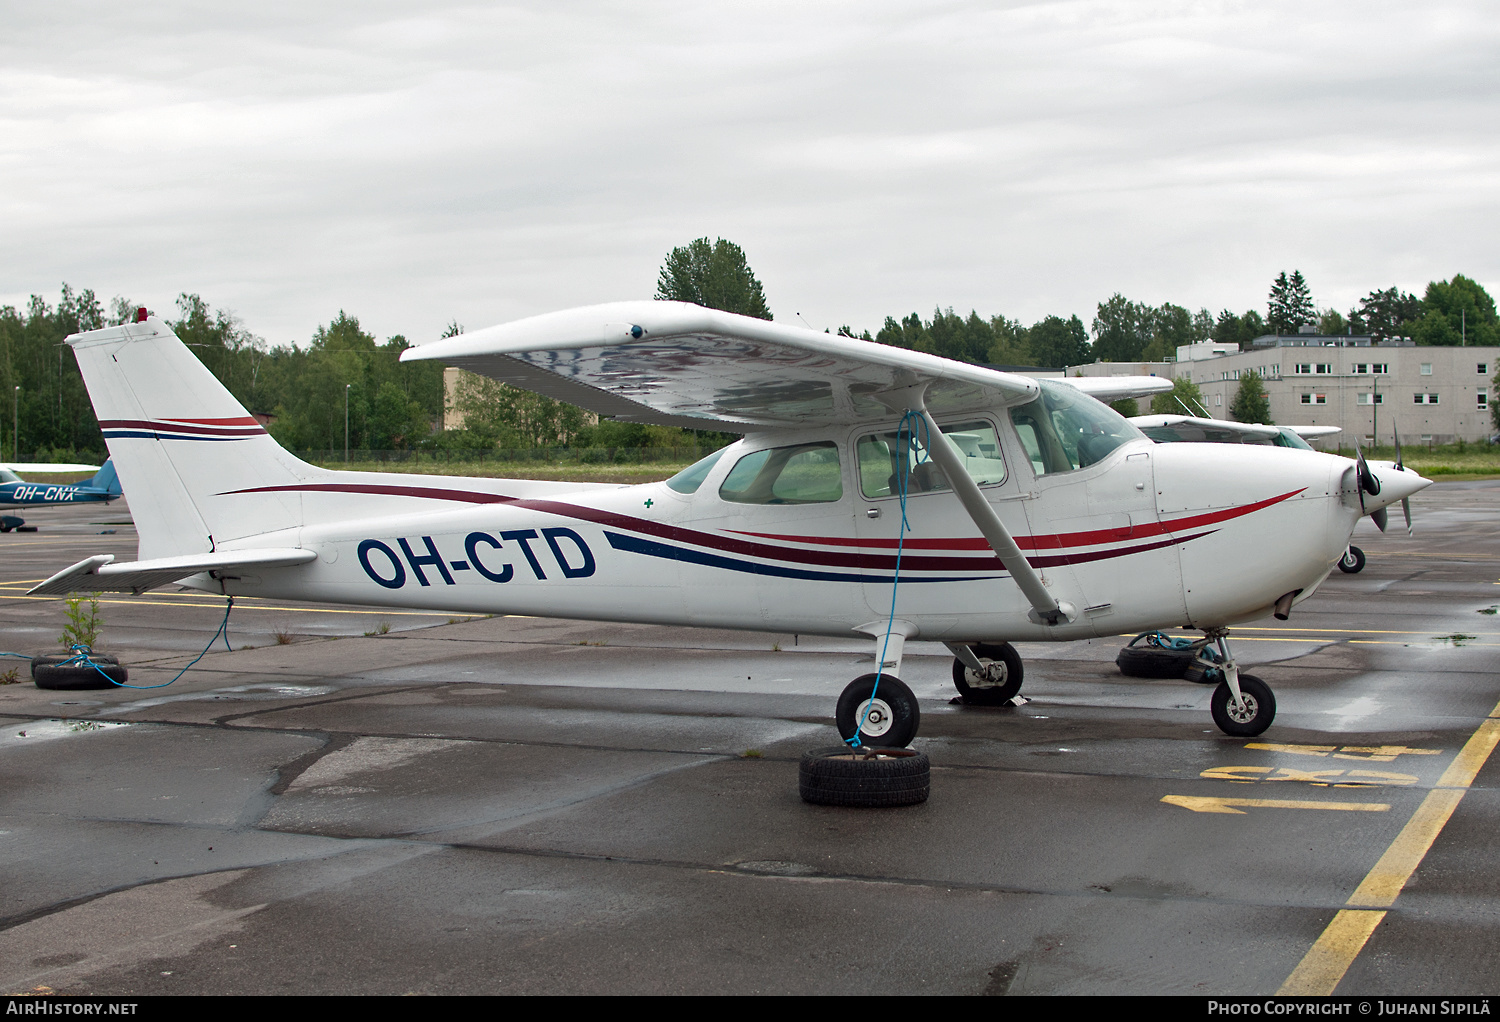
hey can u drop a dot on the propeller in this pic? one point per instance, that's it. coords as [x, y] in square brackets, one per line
[1378, 517]
[1368, 483]
[1401, 467]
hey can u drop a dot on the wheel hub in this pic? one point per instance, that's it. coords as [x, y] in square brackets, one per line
[993, 676]
[876, 716]
[1244, 711]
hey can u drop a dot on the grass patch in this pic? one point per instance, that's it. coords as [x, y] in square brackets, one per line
[381, 629]
[11, 677]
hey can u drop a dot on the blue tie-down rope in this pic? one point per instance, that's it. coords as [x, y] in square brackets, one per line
[903, 479]
[82, 655]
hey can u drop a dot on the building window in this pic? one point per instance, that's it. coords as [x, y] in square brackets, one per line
[1361, 368]
[1315, 399]
[1302, 368]
[1484, 369]
[1325, 368]
[1424, 399]
[1379, 368]
[1483, 402]
[1218, 400]
[1426, 368]
[1369, 399]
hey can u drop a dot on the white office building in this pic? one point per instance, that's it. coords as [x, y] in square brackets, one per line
[1432, 395]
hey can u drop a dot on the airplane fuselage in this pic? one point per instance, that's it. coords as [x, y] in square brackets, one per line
[1151, 536]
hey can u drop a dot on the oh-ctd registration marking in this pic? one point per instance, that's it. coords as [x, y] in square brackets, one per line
[484, 554]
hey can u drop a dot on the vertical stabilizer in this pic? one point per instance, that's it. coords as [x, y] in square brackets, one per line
[181, 443]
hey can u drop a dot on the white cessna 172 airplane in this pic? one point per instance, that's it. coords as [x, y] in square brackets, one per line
[1035, 511]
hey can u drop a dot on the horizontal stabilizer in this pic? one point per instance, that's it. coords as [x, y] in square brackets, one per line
[46, 467]
[100, 573]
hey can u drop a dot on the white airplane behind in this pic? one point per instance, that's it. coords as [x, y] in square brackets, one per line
[1042, 515]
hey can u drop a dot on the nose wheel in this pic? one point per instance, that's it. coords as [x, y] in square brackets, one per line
[1242, 705]
[883, 715]
[1353, 561]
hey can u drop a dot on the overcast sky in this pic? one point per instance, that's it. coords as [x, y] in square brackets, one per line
[415, 163]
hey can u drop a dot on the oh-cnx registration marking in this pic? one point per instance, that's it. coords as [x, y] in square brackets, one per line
[40, 491]
[487, 554]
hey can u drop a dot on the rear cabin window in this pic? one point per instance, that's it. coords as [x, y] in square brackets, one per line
[884, 457]
[800, 474]
[1065, 429]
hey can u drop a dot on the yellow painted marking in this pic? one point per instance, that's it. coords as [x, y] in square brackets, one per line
[1206, 804]
[1324, 966]
[218, 604]
[1369, 753]
[1322, 778]
[1328, 960]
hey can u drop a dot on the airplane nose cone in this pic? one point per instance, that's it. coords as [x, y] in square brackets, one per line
[1395, 485]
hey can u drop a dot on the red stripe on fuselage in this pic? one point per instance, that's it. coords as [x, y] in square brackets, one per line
[828, 558]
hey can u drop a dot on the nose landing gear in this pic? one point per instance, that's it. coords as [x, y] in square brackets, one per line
[1353, 561]
[1242, 705]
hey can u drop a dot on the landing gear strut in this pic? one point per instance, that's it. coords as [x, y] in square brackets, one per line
[1242, 705]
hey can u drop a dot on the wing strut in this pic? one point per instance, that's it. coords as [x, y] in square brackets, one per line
[1045, 609]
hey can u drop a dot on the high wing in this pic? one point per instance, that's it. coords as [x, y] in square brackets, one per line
[97, 574]
[1169, 428]
[1309, 432]
[1118, 388]
[675, 364]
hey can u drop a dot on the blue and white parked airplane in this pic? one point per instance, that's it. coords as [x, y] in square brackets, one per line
[15, 492]
[1035, 511]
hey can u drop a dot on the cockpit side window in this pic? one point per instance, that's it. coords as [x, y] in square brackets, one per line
[1065, 429]
[881, 457]
[799, 474]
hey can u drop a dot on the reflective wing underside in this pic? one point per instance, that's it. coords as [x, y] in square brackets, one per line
[723, 378]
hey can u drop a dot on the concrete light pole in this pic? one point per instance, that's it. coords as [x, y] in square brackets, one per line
[346, 422]
[15, 425]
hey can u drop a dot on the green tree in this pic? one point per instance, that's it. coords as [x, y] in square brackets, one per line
[1183, 399]
[1332, 322]
[1238, 330]
[1057, 343]
[715, 276]
[1290, 305]
[1457, 311]
[1012, 345]
[1250, 401]
[1386, 314]
[1122, 329]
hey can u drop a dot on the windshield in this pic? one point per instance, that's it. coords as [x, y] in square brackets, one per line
[1065, 429]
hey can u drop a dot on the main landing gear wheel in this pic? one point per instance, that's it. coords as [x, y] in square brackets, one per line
[1003, 665]
[1250, 718]
[1353, 561]
[893, 715]
[50, 672]
[868, 777]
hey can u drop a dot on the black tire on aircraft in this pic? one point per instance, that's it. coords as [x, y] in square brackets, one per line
[989, 695]
[48, 672]
[1260, 708]
[1353, 561]
[892, 721]
[867, 778]
[1153, 662]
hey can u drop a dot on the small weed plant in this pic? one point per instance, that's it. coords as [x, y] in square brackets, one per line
[83, 621]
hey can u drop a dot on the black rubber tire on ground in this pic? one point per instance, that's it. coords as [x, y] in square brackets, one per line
[990, 695]
[891, 726]
[1145, 661]
[840, 776]
[1353, 561]
[47, 673]
[1260, 703]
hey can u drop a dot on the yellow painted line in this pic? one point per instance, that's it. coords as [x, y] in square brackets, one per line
[1461, 644]
[1328, 960]
[1210, 804]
